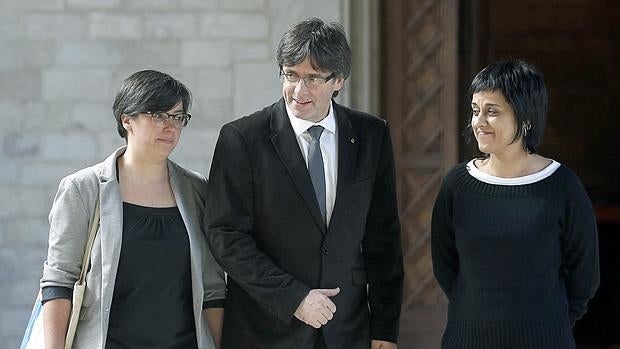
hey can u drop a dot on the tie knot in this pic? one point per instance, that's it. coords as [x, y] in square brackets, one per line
[315, 132]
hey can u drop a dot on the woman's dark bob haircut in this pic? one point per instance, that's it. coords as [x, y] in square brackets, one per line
[524, 89]
[324, 44]
[148, 91]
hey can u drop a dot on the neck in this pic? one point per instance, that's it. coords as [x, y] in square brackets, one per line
[140, 166]
[508, 165]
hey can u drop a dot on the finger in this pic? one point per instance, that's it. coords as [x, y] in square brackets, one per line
[326, 313]
[313, 323]
[330, 305]
[329, 292]
[319, 313]
[329, 315]
[314, 292]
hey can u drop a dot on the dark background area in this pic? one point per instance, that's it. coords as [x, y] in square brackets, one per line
[576, 45]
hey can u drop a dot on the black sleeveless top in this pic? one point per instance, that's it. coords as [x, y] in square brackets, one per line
[152, 302]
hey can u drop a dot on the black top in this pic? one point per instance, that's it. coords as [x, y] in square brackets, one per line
[152, 302]
[154, 269]
[518, 263]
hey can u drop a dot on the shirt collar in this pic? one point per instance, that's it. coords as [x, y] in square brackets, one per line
[300, 125]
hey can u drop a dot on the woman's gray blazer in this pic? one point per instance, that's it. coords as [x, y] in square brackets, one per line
[69, 219]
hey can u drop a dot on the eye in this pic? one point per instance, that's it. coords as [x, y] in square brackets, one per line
[475, 111]
[291, 77]
[160, 116]
[492, 112]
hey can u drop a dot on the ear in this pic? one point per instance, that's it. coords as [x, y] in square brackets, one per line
[338, 83]
[125, 121]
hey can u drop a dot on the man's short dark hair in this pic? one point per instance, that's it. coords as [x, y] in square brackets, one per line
[524, 89]
[324, 44]
[148, 91]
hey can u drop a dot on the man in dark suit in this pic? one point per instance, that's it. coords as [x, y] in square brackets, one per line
[302, 211]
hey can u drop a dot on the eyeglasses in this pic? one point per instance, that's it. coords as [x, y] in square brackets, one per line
[311, 81]
[160, 118]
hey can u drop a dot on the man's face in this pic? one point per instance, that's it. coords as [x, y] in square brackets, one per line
[309, 102]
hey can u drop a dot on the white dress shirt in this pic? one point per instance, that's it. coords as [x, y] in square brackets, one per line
[329, 150]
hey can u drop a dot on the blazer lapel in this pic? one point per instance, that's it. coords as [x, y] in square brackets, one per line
[182, 190]
[111, 224]
[285, 144]
[347, 155]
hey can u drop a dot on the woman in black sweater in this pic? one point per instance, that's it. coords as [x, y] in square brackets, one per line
[514, 239]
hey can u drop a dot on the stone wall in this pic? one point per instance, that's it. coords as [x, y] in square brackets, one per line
[61, 63]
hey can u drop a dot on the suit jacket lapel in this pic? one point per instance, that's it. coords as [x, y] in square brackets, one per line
[347, 155]
[285, 144]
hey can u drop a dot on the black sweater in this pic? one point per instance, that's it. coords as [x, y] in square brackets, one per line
[518, 263]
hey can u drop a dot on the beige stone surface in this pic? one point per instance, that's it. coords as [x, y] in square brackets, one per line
[61, 64]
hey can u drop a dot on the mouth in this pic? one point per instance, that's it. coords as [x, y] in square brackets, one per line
[483, 133]
[167, 141]
[302, 102]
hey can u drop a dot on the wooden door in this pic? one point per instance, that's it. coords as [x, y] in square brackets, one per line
[418, 98]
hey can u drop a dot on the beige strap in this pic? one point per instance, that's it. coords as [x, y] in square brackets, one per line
[80, 285]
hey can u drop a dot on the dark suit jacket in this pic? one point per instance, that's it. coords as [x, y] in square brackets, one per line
[265, 229]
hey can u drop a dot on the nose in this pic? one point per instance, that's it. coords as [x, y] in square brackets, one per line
[478, 120]
[299, 84]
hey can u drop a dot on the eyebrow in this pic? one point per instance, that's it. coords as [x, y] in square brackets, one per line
[488, 105]
[313, 75]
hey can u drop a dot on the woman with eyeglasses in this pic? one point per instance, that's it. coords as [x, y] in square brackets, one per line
[152, 282]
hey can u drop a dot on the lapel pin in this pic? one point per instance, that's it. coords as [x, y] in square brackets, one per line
[352, 140]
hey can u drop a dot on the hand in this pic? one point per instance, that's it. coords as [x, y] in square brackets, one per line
[316, 309]
[377, 344]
